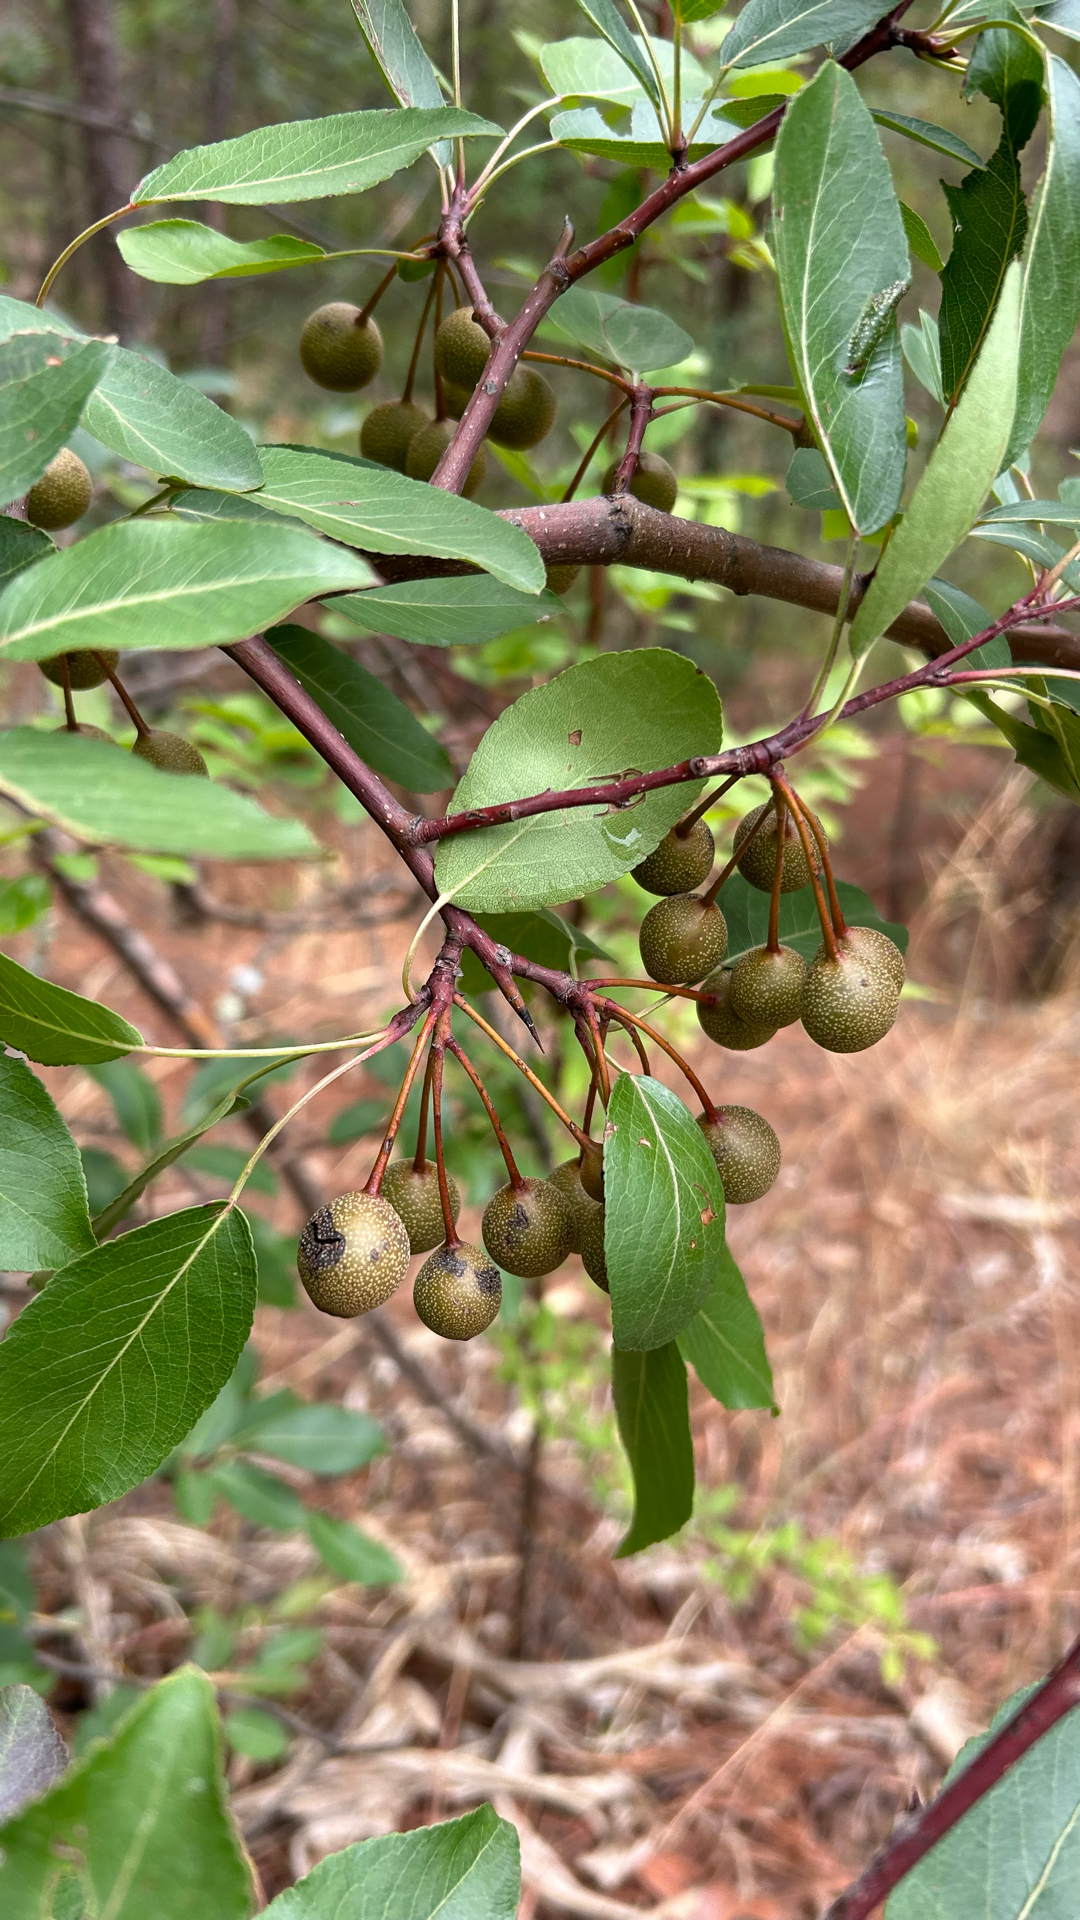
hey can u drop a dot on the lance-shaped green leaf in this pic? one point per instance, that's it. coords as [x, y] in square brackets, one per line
[169, 584]
[920, 239]
[842, 262]
[351, 1553]
[124, 1198]
[608, 21]
[584, 68]
[140, 1826]
[725, 1345]
[400, 58]
[746, 910]
[104, 796]
[1051, 264]
[664, 1232]
[923, 132]
[455, 612]
[314, 1434]
[652, 1407]
[376, 724]
[962, 618]
[44, 1220]
[307, 159]
[44, 381]
[135, 1098]
[148, 416]
[368, 506]
[32, 1754]
[23, 901]
[57, 1027]
[259, 1496]
[1038, 748]
[638, 337]
[773, 30]
[107, 1369]
[20, 546]
[584, 130]
[180, 253]
[465, 1869]
[956, 480]
[988, 209]
[642, 709]
[1016, 1853]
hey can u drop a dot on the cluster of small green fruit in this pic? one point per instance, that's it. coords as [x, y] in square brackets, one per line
[846, 997]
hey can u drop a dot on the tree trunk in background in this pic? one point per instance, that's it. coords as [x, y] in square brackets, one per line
[214, 340]
[113, 163]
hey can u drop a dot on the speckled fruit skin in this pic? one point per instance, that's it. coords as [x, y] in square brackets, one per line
[387, 430]
[527, 1229]
[654, 482]
[592, 1170]
[593, 1257]
[721, 1024]
[526, 413]
[746, 1151]
[458, 1292]
[866, 943]
[849, 1003]
[682, 939]
[427, 447]
[90, 733]
[171, 752]
[560, 579]
[415, 1199]
[84, 669]
[758, 863]
[581, 1207]
[677, 865]
[352, 1254]
[62, 495]
[461, 348]
[766, 988]
[335, 352]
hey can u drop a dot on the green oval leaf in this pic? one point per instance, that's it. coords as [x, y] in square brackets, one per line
[639, 337]
[725, 1345]
[664, 1233]
[372, 719]
[397, 52]
[652, 1407]
[307, 159]
[44, 1219]
[107, 1369]
[368, 506]
[841, 259]
[1051, 265]
[631, 50]
[925, 134]
[44, 381]
[148, 416]
[104, 796]
[465, 1869]
[352, 1554]
[20, 546]
[259, 1496]
[168, 584]
[957, 477]
[141, 1821]
[457, 612]
[644, 709]
[316, 1435]
[773, 30]
[180, 253]
[57, 1027]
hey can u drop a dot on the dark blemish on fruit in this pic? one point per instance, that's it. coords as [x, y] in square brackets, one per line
[320, 1243]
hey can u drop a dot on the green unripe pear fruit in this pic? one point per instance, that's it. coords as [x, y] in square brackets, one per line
[336, 351]
[848, 1003]
[387, 431]
[560, 579]
[722, 1025]
[681, 939]
[62, 495]
[458, 1292]
[592, 1169]
[766, 988]
[593, 1255]
[580, 1205]
[678, 864]
[654, 482]
[746, 1151]
[84, 669]
[866, 943]
[427, 447]
[527, 1228]
[758, 863]
[415, 1199]
[170, 751]
[87, 732]
[352, 1254]
[462, 348]
[526, 413]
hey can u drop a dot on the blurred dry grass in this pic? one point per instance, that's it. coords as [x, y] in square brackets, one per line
[669, 1747]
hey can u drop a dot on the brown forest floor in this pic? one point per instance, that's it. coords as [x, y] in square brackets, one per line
[669, 1745]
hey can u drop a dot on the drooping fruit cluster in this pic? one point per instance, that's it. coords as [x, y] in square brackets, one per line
[76, 672]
